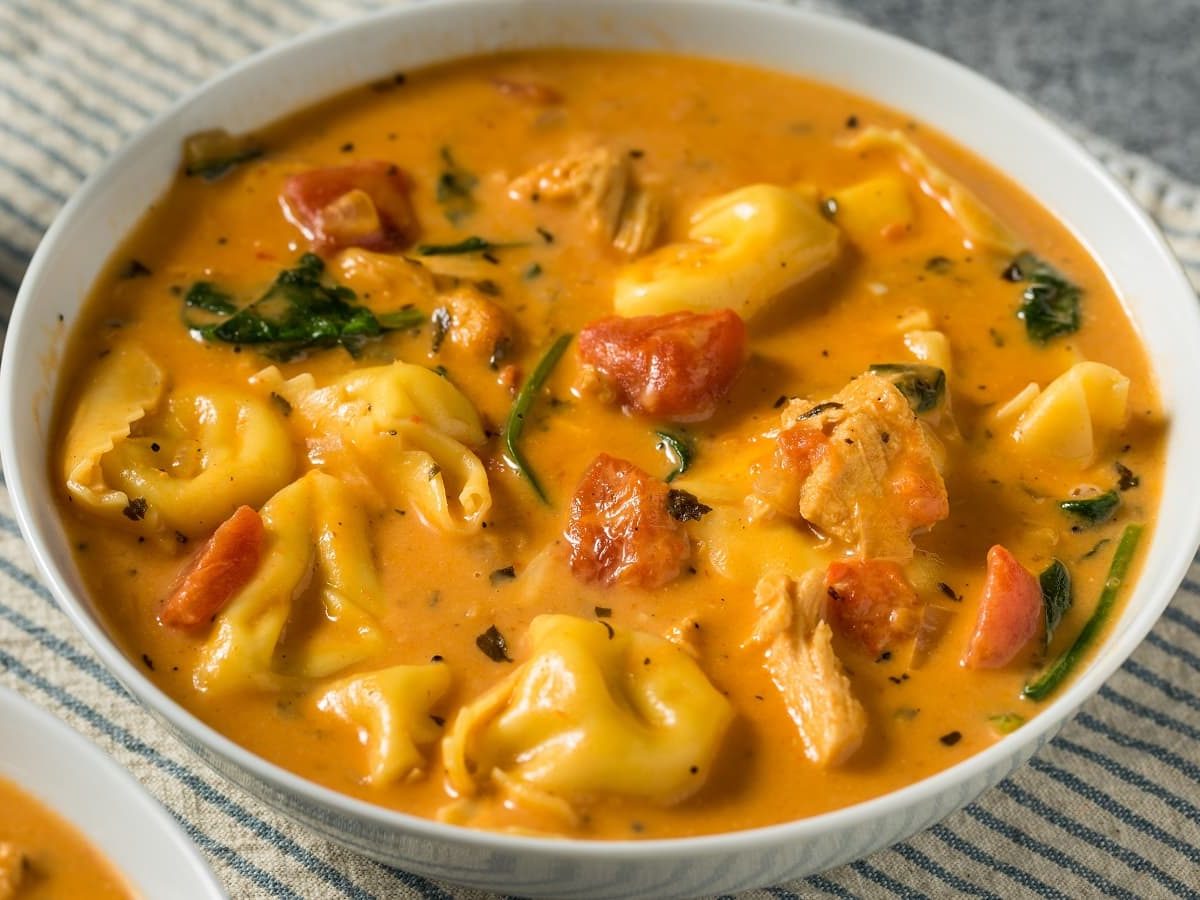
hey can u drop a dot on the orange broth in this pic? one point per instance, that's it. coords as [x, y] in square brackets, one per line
[698, 128]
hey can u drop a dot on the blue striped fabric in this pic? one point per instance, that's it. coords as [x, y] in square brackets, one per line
[1111, 808]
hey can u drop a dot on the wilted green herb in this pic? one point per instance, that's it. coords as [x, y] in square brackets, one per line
[679, 450]
[296, 313]
[1056, 596]
[1048, 681]
[520, 411]
[472, 244]
[923, 386]
[1093, 510]
[1049, 304]
[455, 189]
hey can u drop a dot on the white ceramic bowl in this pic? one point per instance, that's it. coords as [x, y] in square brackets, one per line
[77, 781]
[977, 114]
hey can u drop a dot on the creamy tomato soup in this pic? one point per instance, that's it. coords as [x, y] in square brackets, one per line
[605, 445]
[44, 857]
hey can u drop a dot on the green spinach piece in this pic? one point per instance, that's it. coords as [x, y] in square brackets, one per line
[1056, 596]
[923, 386]
[472, 244]
[679, 451]
[1050, 305]
[296, 313]
[1093, 510]
[455, 189]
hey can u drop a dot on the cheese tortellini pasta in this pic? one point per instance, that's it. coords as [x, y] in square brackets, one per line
[876, 208]
[392, 710]
[743, 249]
[402, 428]
[313, 607]
[1070, 419]
[979, 224]
[181, 460]
[594, 710]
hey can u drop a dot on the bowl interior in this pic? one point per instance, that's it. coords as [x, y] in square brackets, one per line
[1010, 136]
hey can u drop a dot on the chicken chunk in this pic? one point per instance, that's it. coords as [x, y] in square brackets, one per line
[860, 467]
[13, 865]
[872, 602]
[601, 180]
[476, 324]
[804, 667]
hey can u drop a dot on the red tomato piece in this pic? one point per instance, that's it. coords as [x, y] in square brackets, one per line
[871, 601]
[619, 528]
[365, 204]
[221, 567]
[801, 448]
[676, 366]
[1010, 612]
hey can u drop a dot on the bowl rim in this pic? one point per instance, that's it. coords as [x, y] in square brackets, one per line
[31, 723]
[1106, 658]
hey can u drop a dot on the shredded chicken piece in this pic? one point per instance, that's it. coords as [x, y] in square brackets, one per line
[602, 182]
[641, 219]
[804, 667]
[13, 865]
[861, 467]
[476, 323]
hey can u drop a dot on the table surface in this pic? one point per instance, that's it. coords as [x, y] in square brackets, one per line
[1128, 70]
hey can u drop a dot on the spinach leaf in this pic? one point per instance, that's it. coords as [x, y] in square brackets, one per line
[520, 411]
[1093, 510]
[493, 645]
[455, 189]
[1049, 304]
[923, 386]
[297, 312]
[678, 449]
[205, 296]
[473, 244]
[1049, 680]
[1056, 596]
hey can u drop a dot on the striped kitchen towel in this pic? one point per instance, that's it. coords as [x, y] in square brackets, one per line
[1111, 808]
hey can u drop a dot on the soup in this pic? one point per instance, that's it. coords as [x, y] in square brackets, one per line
[42, 856]
[605, 445]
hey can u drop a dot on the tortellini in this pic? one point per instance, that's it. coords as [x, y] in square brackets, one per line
[980, 225]
[1070, 418]
[313, 607]
[184, 464]
[595, 710]
[124, 386]
[873, 209]
[402, 428]
[392, 710]
[743, 249]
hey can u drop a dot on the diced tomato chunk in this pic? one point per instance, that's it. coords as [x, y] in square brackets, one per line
[221, 567]
[1010, 612]
[619, 528]
[872, 602]
[676, 366]
[365, 204]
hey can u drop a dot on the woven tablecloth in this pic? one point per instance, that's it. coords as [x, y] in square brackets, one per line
[1110, 808]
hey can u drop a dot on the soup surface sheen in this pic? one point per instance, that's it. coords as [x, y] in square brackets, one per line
[805, 618]
[43, 857]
